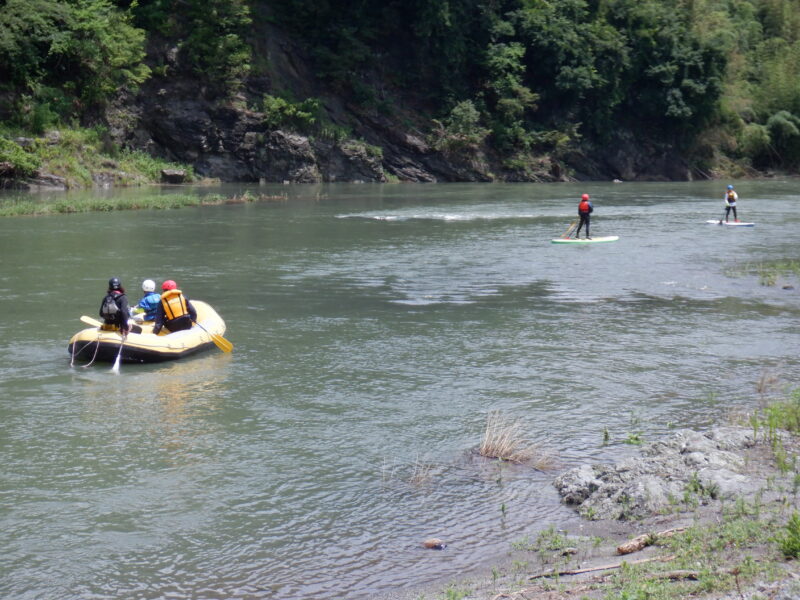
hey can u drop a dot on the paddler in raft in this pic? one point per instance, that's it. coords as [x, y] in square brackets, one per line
[585, 208]
[114, 308]
[174, 312]
[145, 309]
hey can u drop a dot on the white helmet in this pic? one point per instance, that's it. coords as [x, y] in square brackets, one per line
[148, 285]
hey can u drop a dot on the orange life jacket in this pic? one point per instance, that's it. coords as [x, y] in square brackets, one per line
[174, 305]
[583, 207]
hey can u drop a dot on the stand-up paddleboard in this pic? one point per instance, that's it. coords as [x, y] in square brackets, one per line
[731, 223]
[594, 240]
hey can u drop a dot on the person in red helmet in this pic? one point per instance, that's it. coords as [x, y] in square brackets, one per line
[174, 312]
[585, 208]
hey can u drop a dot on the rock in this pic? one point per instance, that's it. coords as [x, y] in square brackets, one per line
[47, 180]
[434, 544]
[7, 169]
[707, 464]
[576, 485]
[173, 176]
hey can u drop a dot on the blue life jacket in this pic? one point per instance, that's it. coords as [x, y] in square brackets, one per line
[150, 304]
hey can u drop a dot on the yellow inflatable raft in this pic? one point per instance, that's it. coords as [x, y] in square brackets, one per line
[94, 344]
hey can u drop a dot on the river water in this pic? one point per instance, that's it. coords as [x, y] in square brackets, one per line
[375, 328]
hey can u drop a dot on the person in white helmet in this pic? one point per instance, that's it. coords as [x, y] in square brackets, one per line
[146, 308]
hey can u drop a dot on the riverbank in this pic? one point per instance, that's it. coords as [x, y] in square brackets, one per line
[711, 514]
[80, 158]
[155, 201]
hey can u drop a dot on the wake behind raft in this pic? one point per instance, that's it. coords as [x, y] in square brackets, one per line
[94, 344]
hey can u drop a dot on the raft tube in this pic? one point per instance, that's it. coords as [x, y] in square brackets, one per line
[146, 347]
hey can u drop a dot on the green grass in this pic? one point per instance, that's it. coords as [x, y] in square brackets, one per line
[152, 202]
[76, 154]
[768, 272]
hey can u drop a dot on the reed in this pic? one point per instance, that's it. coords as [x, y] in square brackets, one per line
[506, 441]
[421, 473]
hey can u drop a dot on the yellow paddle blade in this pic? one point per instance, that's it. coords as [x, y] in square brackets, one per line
[221, 342]
[90, 321]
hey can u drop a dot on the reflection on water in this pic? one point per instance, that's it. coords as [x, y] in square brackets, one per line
[375, 328]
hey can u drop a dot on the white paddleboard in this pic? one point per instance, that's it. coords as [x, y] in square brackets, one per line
[731, 223]
[594, 240]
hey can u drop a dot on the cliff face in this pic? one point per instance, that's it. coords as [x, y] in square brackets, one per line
[173, 117]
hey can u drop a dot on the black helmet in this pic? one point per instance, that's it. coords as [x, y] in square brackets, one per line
[114, 283]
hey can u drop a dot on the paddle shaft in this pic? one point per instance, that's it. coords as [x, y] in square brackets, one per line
[115, 368]
[569, 230]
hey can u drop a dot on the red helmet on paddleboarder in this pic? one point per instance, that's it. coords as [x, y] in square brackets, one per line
[169, 285]
[585, 197]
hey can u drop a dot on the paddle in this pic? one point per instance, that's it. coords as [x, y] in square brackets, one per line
[90, 321]
[569, 230]
[218, 340]
[115, 368]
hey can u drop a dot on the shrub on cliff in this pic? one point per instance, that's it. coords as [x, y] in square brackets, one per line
[461, 131]
[23, 163]
[85, 49]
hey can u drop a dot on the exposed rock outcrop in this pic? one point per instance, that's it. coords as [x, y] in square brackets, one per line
[707, 465]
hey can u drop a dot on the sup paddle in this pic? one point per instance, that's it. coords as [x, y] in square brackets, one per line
[218, 340]
[569, 230]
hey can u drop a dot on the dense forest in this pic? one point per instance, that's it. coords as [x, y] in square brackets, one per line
[503, 82]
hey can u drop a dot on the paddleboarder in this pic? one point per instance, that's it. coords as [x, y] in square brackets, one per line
[585, 209]
[730, 203]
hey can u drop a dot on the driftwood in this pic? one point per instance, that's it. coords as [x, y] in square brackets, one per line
[646, 539]
[600, 568]
[674, 575]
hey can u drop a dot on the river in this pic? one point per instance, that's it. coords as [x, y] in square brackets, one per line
[375, 328]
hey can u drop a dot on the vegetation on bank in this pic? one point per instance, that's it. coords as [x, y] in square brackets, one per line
[17, 208]
[717, 79]
[78, 156]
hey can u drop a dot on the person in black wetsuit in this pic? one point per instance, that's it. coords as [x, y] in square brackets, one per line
[585, 209]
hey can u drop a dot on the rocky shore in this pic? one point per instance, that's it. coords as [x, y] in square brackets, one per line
[700, 514]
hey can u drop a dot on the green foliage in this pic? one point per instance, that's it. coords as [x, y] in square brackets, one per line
[300, 116]
[789, 540]
[22, 162]
[87, 49]
[461, 131]
[526, 76]
[214, 40]
[784, 131]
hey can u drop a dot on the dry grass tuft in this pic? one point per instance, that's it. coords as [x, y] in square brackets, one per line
[421, 474]
[505, 440]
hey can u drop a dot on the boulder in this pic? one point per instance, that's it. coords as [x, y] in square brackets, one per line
[173, 176]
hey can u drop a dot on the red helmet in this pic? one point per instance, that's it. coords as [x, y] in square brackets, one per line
[169, 285]
[585, 197]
